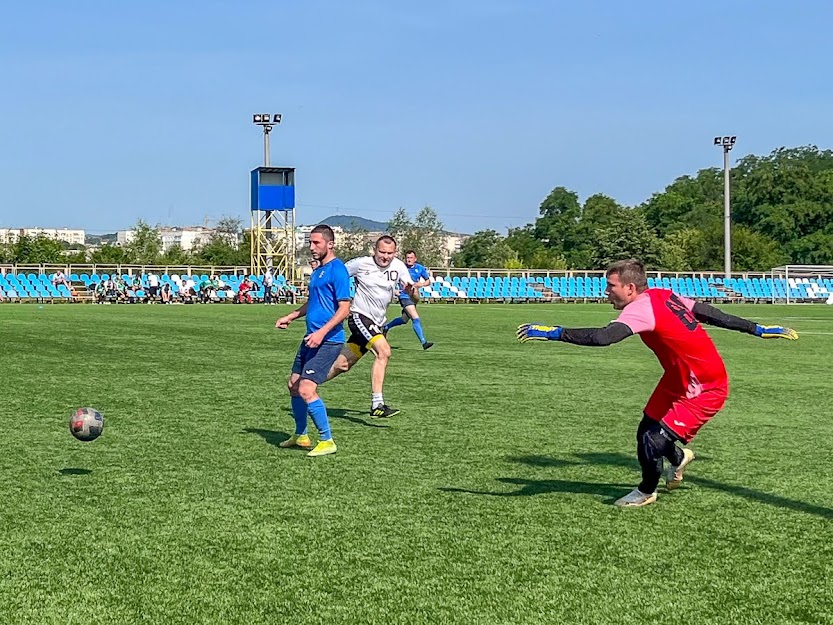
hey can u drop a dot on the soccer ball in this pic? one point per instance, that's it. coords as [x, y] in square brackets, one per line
[86, 424]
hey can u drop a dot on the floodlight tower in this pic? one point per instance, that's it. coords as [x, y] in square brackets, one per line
[273, 210]
[727, 143]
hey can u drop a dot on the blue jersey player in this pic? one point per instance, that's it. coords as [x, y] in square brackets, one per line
[326, 308]
[419, 274]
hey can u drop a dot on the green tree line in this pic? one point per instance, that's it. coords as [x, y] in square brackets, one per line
[782, 211]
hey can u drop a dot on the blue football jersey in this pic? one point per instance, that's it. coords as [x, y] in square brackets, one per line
[328, 285]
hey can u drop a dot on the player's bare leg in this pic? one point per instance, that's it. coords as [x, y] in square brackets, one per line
[344, 362]
[381, 350]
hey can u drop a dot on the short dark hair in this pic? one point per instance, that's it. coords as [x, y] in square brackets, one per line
[410, 252]
[325, 231]
[630, 271]
[385, 238]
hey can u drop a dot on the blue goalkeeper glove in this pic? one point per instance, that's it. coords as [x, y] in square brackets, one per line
[537, 332]
[776, 332]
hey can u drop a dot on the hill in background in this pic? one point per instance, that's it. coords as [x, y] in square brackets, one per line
[353, 222]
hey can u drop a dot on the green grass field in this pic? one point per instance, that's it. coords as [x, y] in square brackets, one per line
[488, 500]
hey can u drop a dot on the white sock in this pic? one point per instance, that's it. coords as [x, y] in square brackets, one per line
[376, 400]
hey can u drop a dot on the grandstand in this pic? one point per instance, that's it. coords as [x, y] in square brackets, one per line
[588, 288]
[784, 284]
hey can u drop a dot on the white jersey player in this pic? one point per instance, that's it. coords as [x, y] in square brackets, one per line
[378, 278]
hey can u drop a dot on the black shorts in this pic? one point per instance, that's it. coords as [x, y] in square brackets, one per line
[153, 291]
[363, 333]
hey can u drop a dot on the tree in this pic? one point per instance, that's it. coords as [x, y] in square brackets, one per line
[485, 248]
[175, 255]
[427, 238]
[109, 254]
[557, 226]
[37, 250]
[753, 251]
[353, 244]
[400, 224]
[628, 236]
[223, 246]
[425, 235]
[682, 250]
[146, 245]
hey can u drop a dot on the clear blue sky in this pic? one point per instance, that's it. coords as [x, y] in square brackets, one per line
[113, 111]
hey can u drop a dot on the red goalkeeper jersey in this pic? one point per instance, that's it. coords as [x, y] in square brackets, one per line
[666, 324]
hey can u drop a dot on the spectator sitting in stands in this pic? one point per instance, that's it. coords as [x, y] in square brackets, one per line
[245, 291]
[100, 292]
[167, 293]
[110, 289]
[208, 290]
[60, 278]
[121, 289]
[187, 292]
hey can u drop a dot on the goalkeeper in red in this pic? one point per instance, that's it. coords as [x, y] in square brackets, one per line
[694, 385]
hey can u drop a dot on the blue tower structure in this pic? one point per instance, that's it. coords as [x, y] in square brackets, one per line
[273, 220]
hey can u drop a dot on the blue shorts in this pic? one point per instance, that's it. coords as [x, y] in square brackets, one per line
[405, 300]
[314, 363]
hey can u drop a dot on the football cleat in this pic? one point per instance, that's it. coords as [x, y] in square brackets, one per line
[383, 411]
[323, 448]
[674, 476]
[297, 440]
[636, 499]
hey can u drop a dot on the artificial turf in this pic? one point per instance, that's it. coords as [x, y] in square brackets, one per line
[488, 500]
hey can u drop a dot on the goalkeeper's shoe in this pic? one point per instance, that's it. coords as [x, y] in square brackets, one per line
[636, 499]
[297, 440]
[323, 448]
[383, 411]
[776, 332]
[537, 332]
[674, 476]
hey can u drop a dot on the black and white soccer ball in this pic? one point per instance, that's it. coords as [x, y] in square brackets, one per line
[86, 424]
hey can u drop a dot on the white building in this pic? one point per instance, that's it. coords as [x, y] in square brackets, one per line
[10, 235]
[187, 237]
[453, 243]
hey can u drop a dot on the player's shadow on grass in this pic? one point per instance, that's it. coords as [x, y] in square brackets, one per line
[74, 471]
[275, 438]
[353, 417]
[622, 460]
[270, 436]
[530, 488]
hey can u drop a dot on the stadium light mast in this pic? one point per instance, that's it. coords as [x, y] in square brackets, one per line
[267, 121]
[727, 143]
[272, 240]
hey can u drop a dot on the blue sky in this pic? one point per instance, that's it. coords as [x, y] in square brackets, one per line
[114, 111]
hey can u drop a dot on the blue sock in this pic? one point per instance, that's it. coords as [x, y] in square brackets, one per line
[318, 412]
[418, 330]
[399, 321]
[299, 411]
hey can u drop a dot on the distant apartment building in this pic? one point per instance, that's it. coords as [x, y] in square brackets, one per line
[187, 237]
[302, 234]
[10, 235]
[453, 241]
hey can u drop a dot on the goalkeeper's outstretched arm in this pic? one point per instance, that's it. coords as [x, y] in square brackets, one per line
[597, 337]
[705, 313]
[591, 337]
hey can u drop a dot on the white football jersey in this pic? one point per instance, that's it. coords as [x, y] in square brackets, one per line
[376, 286]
